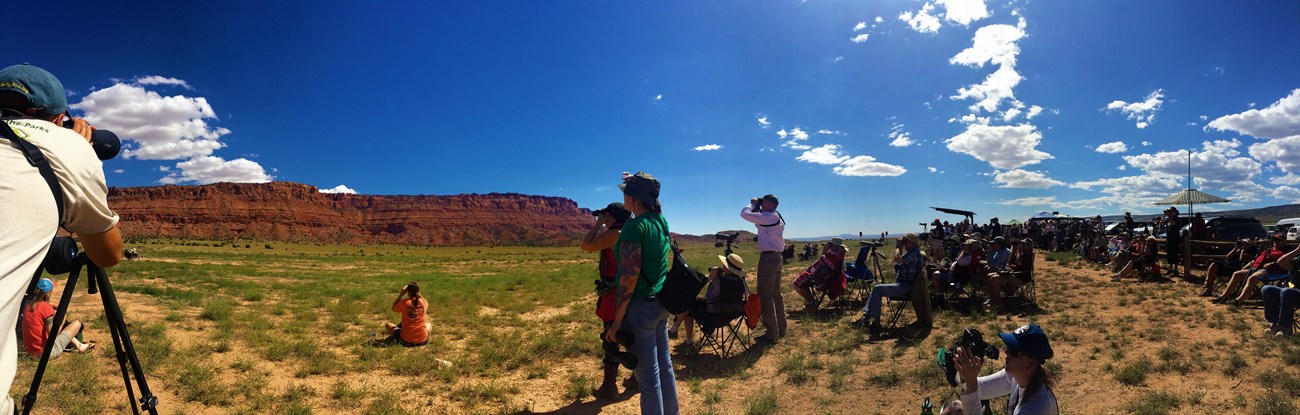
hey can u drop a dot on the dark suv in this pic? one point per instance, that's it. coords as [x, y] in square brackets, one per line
[1228, 228]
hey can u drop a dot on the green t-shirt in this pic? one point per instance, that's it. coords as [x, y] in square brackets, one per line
[651, 232]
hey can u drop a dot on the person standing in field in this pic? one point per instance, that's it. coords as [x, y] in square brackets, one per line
[602, 237]
[771, 229]
[644, 253]
[413, 329]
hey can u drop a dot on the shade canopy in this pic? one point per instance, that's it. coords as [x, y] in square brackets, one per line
[1013, 222]
[1192, 197]
[1043, 215]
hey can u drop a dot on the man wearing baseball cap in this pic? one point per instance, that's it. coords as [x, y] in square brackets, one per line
[761, 211]
[909, 264]
[33, 103]
[1027, 384]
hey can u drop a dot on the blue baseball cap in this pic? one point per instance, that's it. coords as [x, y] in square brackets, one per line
[45, 285]
[39, 86]
[1030, 340]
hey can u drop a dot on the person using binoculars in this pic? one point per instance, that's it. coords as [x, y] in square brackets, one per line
[761, 211]
[33, 104]
[1026, 383]
[602, 237]
[414, 329]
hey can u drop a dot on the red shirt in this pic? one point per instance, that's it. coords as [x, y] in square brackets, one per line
[1272, 254]
[413, 310]
[34, 331]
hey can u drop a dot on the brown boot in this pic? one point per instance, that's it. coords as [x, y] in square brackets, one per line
[608, 389]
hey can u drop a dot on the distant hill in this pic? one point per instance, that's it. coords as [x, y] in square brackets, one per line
[1266, 215]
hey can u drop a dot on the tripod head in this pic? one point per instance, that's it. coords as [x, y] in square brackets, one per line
[730, 240]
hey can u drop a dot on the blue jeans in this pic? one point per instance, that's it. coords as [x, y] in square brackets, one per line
[872, 309]
[648, 321]
[1279, 306]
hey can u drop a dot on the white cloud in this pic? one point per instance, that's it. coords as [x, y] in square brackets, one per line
[868, 166]
[1203, 118]
[763, 122]
[995, 44]
[1010, 114]
[879, 19]
[1287, 193]
[998, 86]
[1281, 119]
[860, 38]
[707, 147]
[659, 97]
[1147, 186]
[1034, 110]
[798, 134]
[1112, 147]
[921, 21]
[1049, 201]
[1024, 179]
[1146, 144]
[161, 80]
[932, 169]
[899, 137]
[827, 154]
[829, 132]
[1290, 179]
[1004, 147]
[838, 59]
[860, 26]
[964, 12]
[1284, 151]
[1143, 112]
[1216, 165]
[339, 189]
[161, 128]
[119, 171]
[1122, 167]
[211, 169]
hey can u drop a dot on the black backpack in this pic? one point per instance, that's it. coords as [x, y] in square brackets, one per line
[681, 286]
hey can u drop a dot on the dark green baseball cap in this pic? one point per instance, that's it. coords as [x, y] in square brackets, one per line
[39, 86]
[643, 187]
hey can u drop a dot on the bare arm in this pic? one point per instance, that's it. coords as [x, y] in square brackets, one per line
[104, 248]
[400, 294]
[596, 239]
[629, 270]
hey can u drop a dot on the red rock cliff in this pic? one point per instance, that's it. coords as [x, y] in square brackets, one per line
[285, 211]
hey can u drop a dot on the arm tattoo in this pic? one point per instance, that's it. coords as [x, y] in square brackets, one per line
[629, 266]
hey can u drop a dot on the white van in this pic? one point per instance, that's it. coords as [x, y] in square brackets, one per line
[1289, 226]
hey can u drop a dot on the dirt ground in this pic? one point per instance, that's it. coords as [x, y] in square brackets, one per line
[1120, 347]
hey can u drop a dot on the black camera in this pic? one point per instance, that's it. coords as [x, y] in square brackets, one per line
[59, 259]
[873, 244]
[726, 238]
[973, 342]
[105, 143]
[604, 287]
[626, 339]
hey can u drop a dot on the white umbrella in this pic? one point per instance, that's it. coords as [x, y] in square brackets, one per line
[1191, 197]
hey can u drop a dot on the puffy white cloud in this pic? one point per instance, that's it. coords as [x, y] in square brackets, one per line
[879, 19]
[1287, 193]
[1146, 186]
[1203, 118]
[1112, 147]
[1024, 179]
[1281, 119]
[970, 119]
[1049, 201]
[707, 147]
[827, 154]
[211, 169]
[995, 44]
[1034, 110]
[1283, 151]
[921, 21]
[763, 122]
[1146, 144]
[829, 132]
[838, 59]
[1010, 114]
[1143, 112]
[867, 166]
[932, 169]
[162, 80]
[998, 86]
[659, 98]
[1290, 179]
[860, 26]
[1216, 165]
[1121, 167]
[161, 128]
[900, 138]
[860, 38]
[339, 189]
[797, 136]
[964, 12]
[1005, 147]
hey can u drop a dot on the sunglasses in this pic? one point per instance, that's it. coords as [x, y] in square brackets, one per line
[1015, 353]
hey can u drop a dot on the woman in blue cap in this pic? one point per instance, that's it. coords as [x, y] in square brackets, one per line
[1026, 383]
[37, 321]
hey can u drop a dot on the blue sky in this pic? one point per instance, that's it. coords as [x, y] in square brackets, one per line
[858, 114]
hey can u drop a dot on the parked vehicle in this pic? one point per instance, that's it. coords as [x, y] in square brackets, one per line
[1289, 226]
[1229, 228]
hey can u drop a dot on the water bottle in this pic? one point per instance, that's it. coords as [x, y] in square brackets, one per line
[927, 408]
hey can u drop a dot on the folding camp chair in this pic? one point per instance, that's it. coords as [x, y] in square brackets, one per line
[723, 330]
[1021, 296]
[896, 307]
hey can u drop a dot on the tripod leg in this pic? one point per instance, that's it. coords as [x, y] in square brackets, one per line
[122, 341]
[65, 301]
[121, 358]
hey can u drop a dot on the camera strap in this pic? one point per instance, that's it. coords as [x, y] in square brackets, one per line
[37, 159]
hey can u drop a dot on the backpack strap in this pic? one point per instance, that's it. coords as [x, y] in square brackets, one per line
[37, 159]
[779, 221]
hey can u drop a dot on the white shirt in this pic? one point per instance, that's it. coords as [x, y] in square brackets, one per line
[770, 238]
[1001, 384]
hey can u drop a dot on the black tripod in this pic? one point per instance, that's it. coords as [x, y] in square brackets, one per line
[125, 350]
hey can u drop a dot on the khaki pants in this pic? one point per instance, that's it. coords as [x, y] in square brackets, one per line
[769, 294]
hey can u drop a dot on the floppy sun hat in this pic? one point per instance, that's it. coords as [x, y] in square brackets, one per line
[734, 263]
[643, 187]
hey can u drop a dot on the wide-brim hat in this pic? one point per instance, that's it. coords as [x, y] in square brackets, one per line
[734, 264]
[838, 241]
[642, 187]
[911, 237]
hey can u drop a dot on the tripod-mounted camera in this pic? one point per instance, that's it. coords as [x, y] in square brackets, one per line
[730, 241]
[64, 257]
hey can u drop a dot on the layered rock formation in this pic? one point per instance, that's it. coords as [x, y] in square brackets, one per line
[294, 212]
